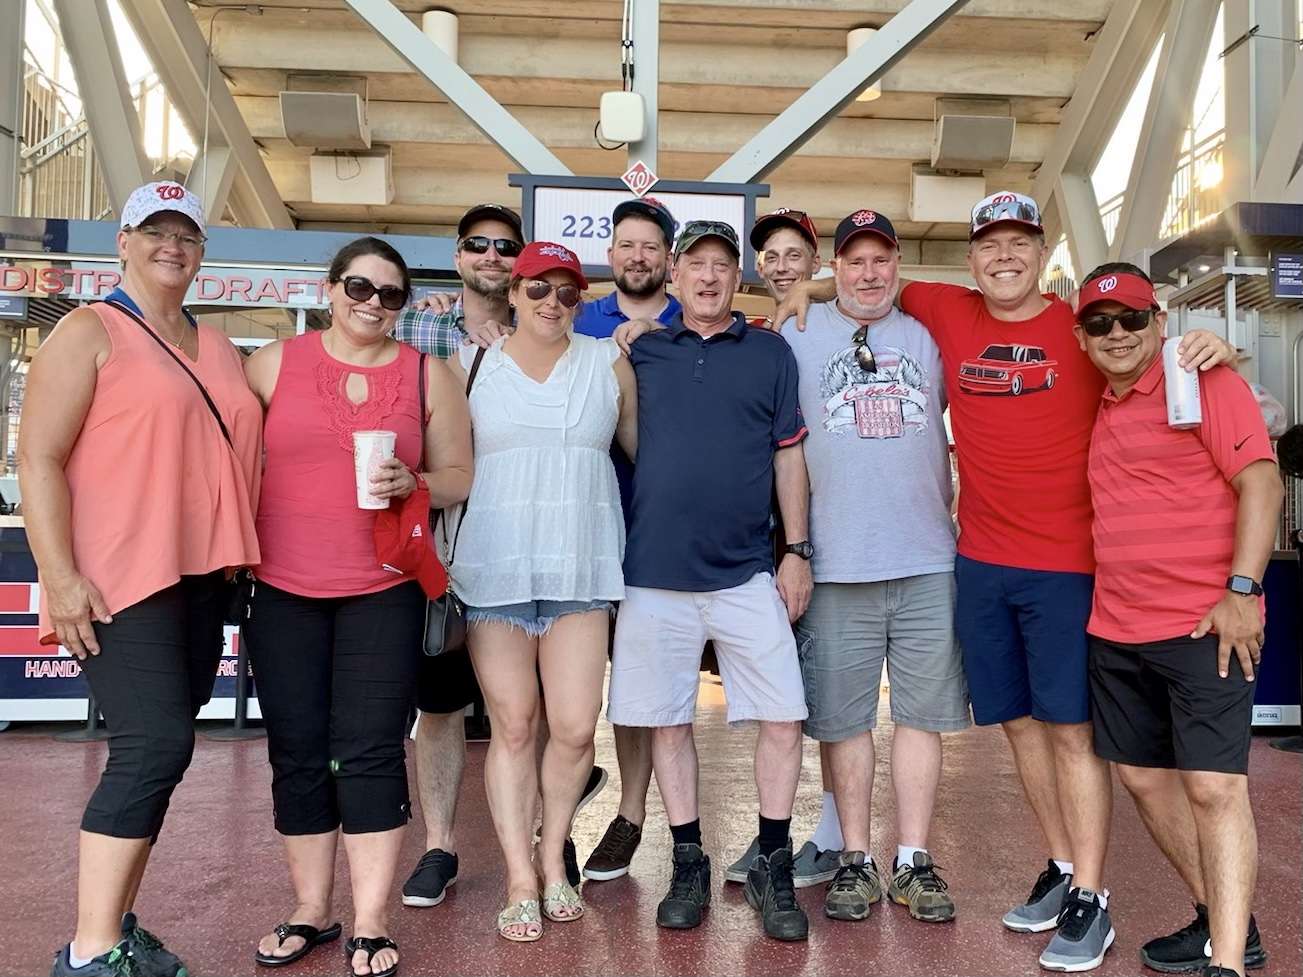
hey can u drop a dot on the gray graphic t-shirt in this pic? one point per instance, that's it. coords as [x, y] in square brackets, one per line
[877, 453]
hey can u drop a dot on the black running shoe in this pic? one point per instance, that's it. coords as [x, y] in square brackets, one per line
[689, 894]
[151, 958]
[770, 890]
[1189, 949]
[571, 858]
[429, 881]
[116, 962]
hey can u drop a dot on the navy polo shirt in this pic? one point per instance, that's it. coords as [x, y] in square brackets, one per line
[711, 414]
[599, 319]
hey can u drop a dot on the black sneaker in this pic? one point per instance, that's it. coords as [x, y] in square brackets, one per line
[151, 958]
[116, 962]
[689, 893]
[770, 890]
[1189, 949]
[429, 882]
[611, 858]
[596, 781]
[571, 858]
[1211, 971]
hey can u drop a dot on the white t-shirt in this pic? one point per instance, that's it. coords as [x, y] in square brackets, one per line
[878, 457]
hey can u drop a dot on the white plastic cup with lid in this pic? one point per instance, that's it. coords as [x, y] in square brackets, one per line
[370, 450]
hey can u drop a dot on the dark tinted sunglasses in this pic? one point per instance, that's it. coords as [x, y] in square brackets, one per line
[864, 355]
[479, 244]
[1101, 324]
[695, 228]
[361, 289]
[567, 295]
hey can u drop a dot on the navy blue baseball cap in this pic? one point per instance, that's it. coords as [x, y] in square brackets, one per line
[648, 208]
[863, 222]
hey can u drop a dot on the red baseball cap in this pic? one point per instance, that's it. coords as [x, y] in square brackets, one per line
[540, 257]
[798, 220]
[1130, 290]
[404, 544]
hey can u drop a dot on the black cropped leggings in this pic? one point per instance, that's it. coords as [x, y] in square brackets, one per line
[335, 678]
[154, 672]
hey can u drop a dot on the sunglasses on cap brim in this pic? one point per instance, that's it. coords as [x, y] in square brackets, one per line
[1100, 324]
[1009, 210]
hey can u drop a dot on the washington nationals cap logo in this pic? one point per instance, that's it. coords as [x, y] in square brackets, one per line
[170, 191]
[863, 218]
[556, 251]
[1003, 198]
[1107, 284]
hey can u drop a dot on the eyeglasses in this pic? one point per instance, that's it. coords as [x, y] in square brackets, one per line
[1006, 210]
[479, 244]
[567, 295]
[154, 236]
[361, 289]
[1101, 324]
[864, 355]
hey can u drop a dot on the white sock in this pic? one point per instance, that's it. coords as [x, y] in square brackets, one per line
[76, 962]
[905, 854]
[1103, 898]
[828, 835]
[1064, 867]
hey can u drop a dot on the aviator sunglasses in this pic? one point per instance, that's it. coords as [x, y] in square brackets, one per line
[479, 244]
[864, 355]
[1101, 324]
[567, 295]
[361, 289]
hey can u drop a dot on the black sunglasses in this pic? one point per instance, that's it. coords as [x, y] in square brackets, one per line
[864, 355]
[361, 289]
[479, 244]
[567, 295]
[1101, 324]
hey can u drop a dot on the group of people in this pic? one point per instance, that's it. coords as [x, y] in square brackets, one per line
[633, 454]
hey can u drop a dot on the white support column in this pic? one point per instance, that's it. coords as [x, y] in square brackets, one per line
[428, 60]
[833, 92]
[11, 101]
[1257, 72]
[211, 177]
[1185, 44]
[1078, 212]
[646, 78]
[1122, 48]
[179, 51]
[87, 31]
[1281, 154]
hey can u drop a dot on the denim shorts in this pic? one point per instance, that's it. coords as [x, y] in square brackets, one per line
[535, 617]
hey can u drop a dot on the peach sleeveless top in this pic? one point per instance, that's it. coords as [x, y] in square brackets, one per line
[157, 493]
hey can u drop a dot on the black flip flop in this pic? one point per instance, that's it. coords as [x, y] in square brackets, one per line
[372, 945]
[311, 936]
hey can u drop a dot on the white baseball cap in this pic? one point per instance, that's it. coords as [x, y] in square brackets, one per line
[156, 198]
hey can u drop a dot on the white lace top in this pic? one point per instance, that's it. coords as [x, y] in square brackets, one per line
[543, 521]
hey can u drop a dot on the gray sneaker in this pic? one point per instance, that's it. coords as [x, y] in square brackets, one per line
[1041, 910]
[1084, 936]
[814, 867]
[856, 887]
[737, 872]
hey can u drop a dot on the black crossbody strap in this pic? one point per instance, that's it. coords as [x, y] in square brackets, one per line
[470, 380]
[179, 362]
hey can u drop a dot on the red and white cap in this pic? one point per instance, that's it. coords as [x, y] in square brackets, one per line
[155, 198]
[540, 257]
[1130, 290]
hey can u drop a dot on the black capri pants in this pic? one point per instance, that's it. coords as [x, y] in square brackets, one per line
[335, 678]
[155, 671]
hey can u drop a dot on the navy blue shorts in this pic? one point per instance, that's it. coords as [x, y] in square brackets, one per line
[1023, 636]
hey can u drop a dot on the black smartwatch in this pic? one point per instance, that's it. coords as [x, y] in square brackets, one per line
[804, 549]
[1244, 586]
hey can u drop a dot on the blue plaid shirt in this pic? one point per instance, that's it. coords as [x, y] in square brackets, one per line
[439, 334]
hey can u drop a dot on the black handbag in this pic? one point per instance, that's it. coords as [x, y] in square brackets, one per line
[445, 617]
[237, 600]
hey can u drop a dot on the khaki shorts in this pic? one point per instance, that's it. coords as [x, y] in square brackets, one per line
[850, 629]
[658, 639]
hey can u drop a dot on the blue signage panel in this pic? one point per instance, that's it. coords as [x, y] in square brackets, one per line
[13, 307]
[1287, 276]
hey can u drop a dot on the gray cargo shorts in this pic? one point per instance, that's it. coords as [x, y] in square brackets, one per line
[847, 633]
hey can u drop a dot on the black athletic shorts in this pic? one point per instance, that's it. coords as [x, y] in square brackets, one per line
[1162, 704]
[446, 683]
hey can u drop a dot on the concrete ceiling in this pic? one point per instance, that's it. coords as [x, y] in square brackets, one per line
[727, 67]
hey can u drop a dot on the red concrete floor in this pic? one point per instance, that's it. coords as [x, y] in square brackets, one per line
[217, 881]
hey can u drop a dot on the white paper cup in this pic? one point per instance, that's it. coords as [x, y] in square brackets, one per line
[370, 449]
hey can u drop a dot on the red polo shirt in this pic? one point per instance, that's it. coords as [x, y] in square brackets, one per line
[1165, 510]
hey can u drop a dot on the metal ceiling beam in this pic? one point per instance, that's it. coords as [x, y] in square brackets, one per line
[168, 32]
[212, 174]
[834, 91]
[87, 31]
[1284, 150]
[1078, 212]
[1122, 48]
[425, 57]
[1186, 35]
[1257, 72]
[646, 78]
[11, 101]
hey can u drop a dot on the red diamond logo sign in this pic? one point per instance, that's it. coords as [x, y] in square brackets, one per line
[639, 178]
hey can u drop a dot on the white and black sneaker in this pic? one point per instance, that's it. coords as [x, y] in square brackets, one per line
[1041, 910]
[1189, 949]
[1084, 936]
